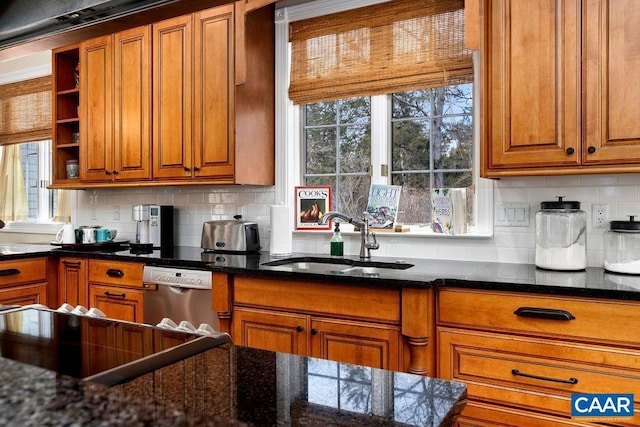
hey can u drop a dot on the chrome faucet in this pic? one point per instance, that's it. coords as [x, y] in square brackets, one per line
[366, 245]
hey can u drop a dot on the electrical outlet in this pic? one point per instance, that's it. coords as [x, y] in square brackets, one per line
[599, 215]
[116, 213]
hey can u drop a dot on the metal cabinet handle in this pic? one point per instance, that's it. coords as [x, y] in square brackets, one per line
[544, 313]
[196, 169]
[107, 173]
[591, 149]
[113, 272]
[538, 377]
[9, 272]
[299, 328]
[314, 331]
[186, 169]
[115, 172]
[110, 295]
[570, 150]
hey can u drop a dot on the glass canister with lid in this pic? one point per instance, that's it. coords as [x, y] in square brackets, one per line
[561, 236]
[622, 247]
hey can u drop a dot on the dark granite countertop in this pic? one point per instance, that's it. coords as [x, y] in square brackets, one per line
[225, 385]
[592, 282]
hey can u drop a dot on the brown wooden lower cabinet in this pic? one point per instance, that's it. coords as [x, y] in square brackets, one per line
[522, 356]
[117, 302]
[35, 293]
[341, 340]
[72, 281]
[23, 281]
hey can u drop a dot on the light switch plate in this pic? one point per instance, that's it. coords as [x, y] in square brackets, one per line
[512, 215]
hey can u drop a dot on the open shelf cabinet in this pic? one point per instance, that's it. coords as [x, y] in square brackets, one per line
[66, 122]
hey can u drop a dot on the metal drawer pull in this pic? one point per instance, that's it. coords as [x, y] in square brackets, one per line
[112, 272]
[537, 377]
[109, 294]
[544, 313]
[9, 272]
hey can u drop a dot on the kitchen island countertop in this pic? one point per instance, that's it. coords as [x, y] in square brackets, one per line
[225, 385]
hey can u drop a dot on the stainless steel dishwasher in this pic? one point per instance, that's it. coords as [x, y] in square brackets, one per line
[178, 294]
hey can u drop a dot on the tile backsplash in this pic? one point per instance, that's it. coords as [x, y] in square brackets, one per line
[194, 205]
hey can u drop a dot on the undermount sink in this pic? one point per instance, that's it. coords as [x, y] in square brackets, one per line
[337, 265]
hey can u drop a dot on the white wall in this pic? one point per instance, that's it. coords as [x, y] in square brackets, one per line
[509, 244]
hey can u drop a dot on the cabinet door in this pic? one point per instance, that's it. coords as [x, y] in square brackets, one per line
[213, 147]
[172, 98]
[132, 104]
[132, 342]
[117, 303]
[98, 339]
[72, 281]
[531, 70]
[96, 108]
[372, 345]
[24, 294]
[270, 330]
[612, 81]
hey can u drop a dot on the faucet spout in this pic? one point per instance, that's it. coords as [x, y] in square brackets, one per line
[333, 214]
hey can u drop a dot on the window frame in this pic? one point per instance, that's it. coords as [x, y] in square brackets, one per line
[40, 67]
[289, 125]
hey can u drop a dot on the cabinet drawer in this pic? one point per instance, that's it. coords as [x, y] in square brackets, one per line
[600, 320]
[15, 272]
[116, 273]
[535, 374]
[379, 305]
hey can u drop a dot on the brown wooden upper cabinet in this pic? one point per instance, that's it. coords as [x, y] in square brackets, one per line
[162, 104]
[115, 98]
[559, 89]
[193, 84]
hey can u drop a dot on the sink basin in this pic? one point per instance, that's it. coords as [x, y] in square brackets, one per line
[337, 265]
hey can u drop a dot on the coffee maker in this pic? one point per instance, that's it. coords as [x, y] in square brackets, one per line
[154, 226]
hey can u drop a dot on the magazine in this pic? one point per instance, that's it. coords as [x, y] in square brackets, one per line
[448, 210]
[312, 202]
[382, 207]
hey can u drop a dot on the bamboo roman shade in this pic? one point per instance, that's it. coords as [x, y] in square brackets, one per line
[25, 111]
[390, 47]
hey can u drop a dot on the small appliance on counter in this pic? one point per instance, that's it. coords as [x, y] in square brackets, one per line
[154, 227]
[232, 236]
[561, 236]
[622, 247]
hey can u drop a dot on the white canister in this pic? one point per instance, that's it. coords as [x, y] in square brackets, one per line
[561, 241]
[622, 247]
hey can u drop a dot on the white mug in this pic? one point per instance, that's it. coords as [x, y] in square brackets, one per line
[67, 234]
[88, 235]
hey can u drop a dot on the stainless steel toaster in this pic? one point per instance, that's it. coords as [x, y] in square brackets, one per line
[234, 236]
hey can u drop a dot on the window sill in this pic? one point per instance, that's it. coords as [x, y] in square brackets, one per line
[31, 228]
[414, 232]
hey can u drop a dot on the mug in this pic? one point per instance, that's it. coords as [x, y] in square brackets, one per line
[88, 235]
[67, 234]
[105, 235]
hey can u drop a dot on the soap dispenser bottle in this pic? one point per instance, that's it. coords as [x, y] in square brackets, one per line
[337, 244]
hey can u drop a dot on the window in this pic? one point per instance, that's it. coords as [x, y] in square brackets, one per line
[337, 140]
[430, 145]
[25, 154]
[33, 161]
[412, 124]
[36, 161]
